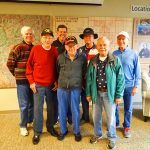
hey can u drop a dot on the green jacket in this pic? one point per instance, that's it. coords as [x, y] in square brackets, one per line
[114, 76]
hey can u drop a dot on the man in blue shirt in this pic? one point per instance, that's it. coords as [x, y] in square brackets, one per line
[132, 73]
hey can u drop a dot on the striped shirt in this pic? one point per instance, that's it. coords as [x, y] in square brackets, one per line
[17, 60]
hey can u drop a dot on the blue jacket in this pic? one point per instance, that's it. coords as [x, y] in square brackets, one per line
[131, 66]
[114, 77]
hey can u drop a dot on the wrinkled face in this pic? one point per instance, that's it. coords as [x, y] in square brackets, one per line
[103, 47]
[62, 34]
[28, 36]
[88, 39]
[122, 42]
[71, 49]
[47, 40]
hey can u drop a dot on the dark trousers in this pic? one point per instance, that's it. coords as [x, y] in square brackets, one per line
[50, 96]
[85, 106]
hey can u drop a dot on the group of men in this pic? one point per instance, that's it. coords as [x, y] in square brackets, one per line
[62, 74]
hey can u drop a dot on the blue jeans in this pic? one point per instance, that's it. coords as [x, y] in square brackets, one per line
[102, 101]
[85, 106]
[127, 97]
[25, 100]
[65, 98]
[50, 96]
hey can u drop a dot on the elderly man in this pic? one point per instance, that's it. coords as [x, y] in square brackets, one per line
[42, 76]
[62, 32]
[131, 67]
[89, 49]
[71, 68]
[16, 64]
[104, 86]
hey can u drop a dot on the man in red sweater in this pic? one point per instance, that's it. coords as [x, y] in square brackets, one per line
[42, 76]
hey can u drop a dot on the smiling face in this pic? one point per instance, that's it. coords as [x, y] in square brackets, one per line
[71, 49]
[122, 42]
[103, 46]
[62, 34]
[88, 39]
[47, 40]
[28, 36]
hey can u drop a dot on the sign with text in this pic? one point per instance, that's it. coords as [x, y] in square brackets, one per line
[140, 8]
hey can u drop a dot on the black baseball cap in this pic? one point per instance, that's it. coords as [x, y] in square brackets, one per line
[47, 31]
[71, 39]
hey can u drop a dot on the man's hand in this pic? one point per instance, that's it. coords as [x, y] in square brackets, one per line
[33, 87]
[55, 86]
[118, 100]
[134, 91]
[89, 98]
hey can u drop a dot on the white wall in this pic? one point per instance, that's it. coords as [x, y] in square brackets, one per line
[8, 99]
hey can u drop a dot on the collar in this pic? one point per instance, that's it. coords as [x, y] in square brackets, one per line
[93, 47]
[26, 43]
[126, 49]
[60, 42]
[66, 54]
[110, 58]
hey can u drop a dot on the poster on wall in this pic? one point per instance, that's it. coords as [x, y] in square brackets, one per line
[141, 42]
[10, 26]
[75, 25]
[103, 26]
[143, 27]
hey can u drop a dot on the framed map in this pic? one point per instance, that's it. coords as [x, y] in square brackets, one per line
[10, 26]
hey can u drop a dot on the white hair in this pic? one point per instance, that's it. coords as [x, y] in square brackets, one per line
[25, 28]
[104, 38]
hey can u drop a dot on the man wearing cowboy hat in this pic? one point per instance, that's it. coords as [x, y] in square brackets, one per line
[89, 49]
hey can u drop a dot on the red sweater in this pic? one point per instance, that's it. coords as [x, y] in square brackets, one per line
[41, 66]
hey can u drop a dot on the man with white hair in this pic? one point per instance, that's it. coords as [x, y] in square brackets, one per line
[16, 64]
[131, 67]
[104, 86]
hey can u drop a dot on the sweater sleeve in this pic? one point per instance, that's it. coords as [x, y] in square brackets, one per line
[137, 71]
[12, 59]
[30, 67]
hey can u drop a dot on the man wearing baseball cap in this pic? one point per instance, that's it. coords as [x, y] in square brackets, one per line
[89, 49]
[42, 76]
[71, 66]
[132, 73]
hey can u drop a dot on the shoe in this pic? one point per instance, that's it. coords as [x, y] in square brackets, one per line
[70, 121]
[117, 126]
[112, 145]
[78, 137]
[36, 139]
[127, 133]
[94, 139]
[82, 121]
[56, 123]
[24, 132]
[30, 125]
[53, 132]
[62, 136]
